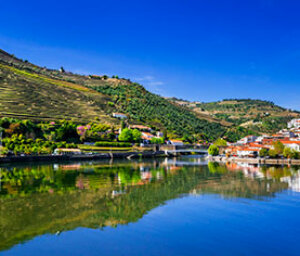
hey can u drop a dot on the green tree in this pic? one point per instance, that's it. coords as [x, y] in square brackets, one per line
[278, 147]
[136, 135]
[287, 152]
[263, 152]
[155, 140]
[123, 125]
[290, 153]
[126, 135]
[220, 142]
[165, 135]
[213, 150]
[67, 132]
[273, 153]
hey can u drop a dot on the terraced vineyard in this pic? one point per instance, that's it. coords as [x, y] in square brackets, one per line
[28, 95]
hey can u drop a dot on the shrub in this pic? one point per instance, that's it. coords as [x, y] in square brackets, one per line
[126, 135]
[155, 140]
[263, 152]
[220, 142]
[112, 144]
[213, 150]
[273, 153]
[278, 147]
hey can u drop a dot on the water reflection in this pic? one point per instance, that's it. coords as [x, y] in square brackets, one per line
[52, 198]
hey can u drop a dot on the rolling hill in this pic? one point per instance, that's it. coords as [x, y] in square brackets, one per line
[242, 116]
[28, 91]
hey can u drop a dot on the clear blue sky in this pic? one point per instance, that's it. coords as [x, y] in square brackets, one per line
[202, 50]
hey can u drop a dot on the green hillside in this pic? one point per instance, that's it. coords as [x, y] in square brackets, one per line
[28, 91]
[243, 116]
[31, 92]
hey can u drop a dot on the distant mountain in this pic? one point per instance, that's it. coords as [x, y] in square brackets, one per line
[28, 91]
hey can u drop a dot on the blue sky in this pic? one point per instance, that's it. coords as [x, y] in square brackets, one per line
[197, 50]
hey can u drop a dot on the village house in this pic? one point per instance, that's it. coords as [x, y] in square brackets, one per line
[250, 146]
[292, 144]
[141, 128]
[175, 142]
[247, 139]
[119, 115]
[248, 152]
[147, 136]
[295, 123]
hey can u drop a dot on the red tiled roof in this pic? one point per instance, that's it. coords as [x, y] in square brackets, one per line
[290, 142]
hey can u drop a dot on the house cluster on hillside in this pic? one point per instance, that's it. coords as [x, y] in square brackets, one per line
[251, 145]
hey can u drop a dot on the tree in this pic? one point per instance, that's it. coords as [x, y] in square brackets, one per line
[155, 140]
[67, 132]
[62, 70]
[220, 142]
[287, 152]
[165, 135]
[263, 152]
[125, 135]
[136, 135]
[278, 147]
[213, 150]
[290, 153]
[123, 125]
[273, 153]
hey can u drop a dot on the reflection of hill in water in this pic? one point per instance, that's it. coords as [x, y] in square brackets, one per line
[40, 200]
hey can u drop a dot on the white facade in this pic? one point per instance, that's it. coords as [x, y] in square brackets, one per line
[294, 146]
[295, 123]
[247, 152]
[119, 115]
[248, 139]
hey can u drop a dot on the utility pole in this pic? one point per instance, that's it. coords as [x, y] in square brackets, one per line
[1, 132]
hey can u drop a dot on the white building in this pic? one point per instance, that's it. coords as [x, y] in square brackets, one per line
[119, 115]
[295, 123]
[176, 142]
[248, 152]
[287, 134]
[247, 139]
[292, 144]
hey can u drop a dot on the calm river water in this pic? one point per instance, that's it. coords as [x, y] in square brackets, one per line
[180, 206]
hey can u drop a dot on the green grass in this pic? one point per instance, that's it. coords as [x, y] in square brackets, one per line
[103, 149]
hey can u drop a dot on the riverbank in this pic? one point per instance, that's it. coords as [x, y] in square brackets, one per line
[82, 157]
[262, 161]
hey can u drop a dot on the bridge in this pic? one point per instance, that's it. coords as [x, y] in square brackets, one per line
[187, 151]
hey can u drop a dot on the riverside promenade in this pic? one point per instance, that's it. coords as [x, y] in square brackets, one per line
[261, 161]
[152, 151]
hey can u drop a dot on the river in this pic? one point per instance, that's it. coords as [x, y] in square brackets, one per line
[176, 206]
